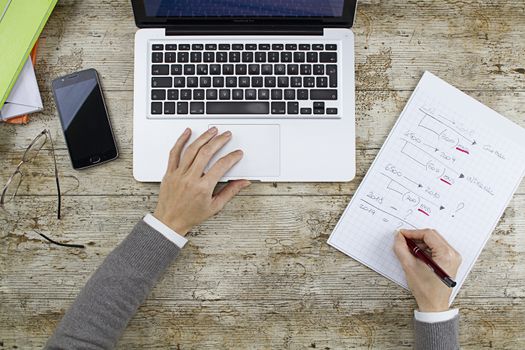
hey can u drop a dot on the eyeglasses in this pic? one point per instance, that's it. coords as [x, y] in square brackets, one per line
[13, 184]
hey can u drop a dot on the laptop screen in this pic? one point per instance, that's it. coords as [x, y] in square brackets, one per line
[244, 8]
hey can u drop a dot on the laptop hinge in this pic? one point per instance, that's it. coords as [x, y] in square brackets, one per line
[244, 30]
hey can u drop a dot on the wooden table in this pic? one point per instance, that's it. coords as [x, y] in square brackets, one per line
[260, 274]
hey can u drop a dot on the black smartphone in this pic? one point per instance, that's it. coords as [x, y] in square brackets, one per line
[84, 118]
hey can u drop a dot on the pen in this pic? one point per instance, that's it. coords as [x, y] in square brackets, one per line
[423, 256]
[5, 10]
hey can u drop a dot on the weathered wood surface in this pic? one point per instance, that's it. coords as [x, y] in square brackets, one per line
[260, 274]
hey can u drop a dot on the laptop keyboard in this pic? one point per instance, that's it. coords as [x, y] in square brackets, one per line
[245, 80]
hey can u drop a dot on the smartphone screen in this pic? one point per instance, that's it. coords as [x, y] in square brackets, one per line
[84, 119]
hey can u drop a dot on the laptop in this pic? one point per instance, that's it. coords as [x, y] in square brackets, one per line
[279, 74]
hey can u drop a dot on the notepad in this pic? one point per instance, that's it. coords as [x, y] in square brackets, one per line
[20, 27]
[450, 163]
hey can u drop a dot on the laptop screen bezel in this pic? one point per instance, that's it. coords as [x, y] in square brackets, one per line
[142, 20]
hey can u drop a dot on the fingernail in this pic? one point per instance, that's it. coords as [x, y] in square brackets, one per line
[228, 133]
[246, 184]
[239, 152]
[213, 130]
[187, 131]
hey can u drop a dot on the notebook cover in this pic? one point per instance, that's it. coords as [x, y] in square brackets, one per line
[19, 30]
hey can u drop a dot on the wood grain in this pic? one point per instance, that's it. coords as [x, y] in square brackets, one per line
[260, 275]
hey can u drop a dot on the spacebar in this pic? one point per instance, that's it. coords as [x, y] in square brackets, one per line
[237, 107]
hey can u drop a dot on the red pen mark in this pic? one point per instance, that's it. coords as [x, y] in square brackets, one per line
[445, 181]
[424, 212]
[462, 150]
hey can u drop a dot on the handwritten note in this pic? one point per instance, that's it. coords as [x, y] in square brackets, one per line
[450, 163]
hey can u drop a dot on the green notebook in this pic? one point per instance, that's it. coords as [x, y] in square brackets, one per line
[20, 28]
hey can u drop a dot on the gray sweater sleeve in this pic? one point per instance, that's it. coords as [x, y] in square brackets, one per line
[113, 294]
[437, 336]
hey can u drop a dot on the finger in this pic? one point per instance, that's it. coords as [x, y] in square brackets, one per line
[207, 152]
[228, 192]
[402, 251]
[176, 151]
[430, 237]
[193, 149]
[223, 165]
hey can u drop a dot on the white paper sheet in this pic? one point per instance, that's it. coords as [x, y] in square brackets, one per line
[450, 163]
[25, 96]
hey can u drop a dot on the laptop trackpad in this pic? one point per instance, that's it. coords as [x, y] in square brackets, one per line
[262, 150]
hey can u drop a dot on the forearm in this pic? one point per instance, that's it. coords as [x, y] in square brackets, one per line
[442, 335]
[113, 294]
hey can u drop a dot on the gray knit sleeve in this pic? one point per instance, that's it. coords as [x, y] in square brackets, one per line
[437, 336]
[111, 297]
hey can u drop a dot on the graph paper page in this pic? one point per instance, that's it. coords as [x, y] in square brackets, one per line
[450, 163]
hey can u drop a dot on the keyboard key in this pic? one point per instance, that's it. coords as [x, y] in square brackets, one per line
[280, 69]
[312, 57]
[298, 57]
[218, 82]
[318, 69]
[237, 107]
[286, 57]
[171, 47]
[264, 94]
[289, 94]
[161, 82]
[211, 47]
[270, 82]
[189, 69]
[318, 47]
[241, 69]
[205, 82]
[283, 82]
[160, 69]
[224, 46]
[305, 47]
[251, 47]
[331, 71]
[227, 69]
[331, 47]
[157, 57]
[238, 94]
[260, 57]
[277, 47]
[257, 82]
[196, 57]
[309, 82]
[224, 94]
[170, 57]
[208, 57]
[211, 94]
[319, 105]
[185, 94]
[251, 94]
[323, 95]
[173, 95]
[231, 82]
[247, 57]
[296, 82]
[278, 107]
[265, 47]
[176, 69]
[169, 107]
[183, 57]
[222, 57]
[215, 69]
[293, 107]
[179, 82]
[273, 57]
[157, 47]
[318, 110]
[182, 107]
[254, 69]
[293, 69]
[302, 94]
[158, 95]
[235, 56]
[306, 69]
[197, 108]
[156, 108]
[291, 47]
[197, 47]
[238, 47]
[184, 47]
[192, 82]
[267, 69]
[331, 111]
[202, 69]
[244, 81]
[322, 82]
[306, 111]
[328, 57]
[277, 94]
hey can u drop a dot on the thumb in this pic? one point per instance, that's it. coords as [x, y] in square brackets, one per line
[228, 192]
[402, 251]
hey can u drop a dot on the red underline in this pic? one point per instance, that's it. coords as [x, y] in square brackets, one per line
[424, 212]
[445, 181]
[462, 150]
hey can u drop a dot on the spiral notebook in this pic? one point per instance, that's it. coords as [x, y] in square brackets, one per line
[450, 163]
